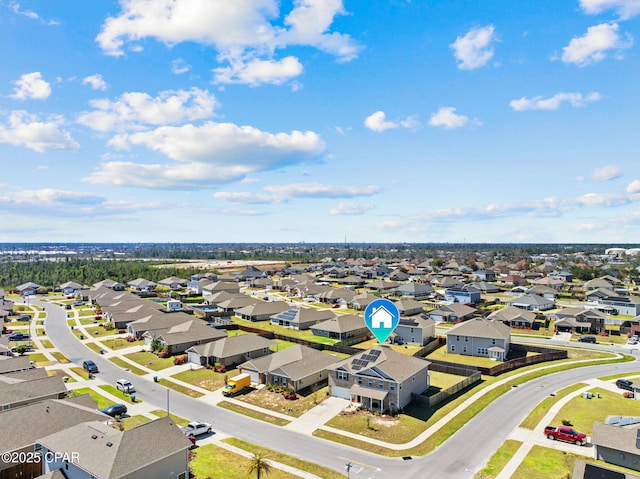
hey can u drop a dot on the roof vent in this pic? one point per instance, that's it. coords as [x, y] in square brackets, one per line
[109, 444]
[94, 436]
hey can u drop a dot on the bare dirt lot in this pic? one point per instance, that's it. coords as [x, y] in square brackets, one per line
[228, 266]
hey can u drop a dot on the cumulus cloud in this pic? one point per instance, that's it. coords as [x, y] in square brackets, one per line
[24, 129]
[447, 118]
[350, 209]
[132, 110]
[208, 155]
[31, 86]
[633, 187]
[625, 8]
[474, 50]
[96, 82]
[606, 173]
[256, 71]
[593, 46]
[284, 193]
[378, 122]
[180, 66]
[246, 34]
[554, 102]
[15, 8]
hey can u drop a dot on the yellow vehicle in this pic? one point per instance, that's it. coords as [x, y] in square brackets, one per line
[237, 385]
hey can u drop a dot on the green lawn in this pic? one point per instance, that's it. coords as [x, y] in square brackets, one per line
[292, 333]
[95, 332]
[120, 343]
[125, 365]
[545, 463]
[276, 402]
[46, 344]
[133, 421]
[101, 401]
[583, 412]
[95, 347]
[441, 381]
[441, 354]
[119, 394]
[150, 360]
[535, 416]
[316, 469]
[212, 461]
[40, 359]
[180, 421]
[61, 358]
[81, 372]
[253, 414]
[205, 378]
[179, 388]
[500, 459]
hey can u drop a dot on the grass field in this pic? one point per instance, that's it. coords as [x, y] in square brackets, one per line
[119, 394]
[120, 343]
[61, 358]
[125, 365]
[253, 414]
[545, 463]
[150, 360]
[500, 459]
[179, 388]
[101, 401]
[40, 359]
[180, 421]
[205, 378]
[46, 344]
[536, 415]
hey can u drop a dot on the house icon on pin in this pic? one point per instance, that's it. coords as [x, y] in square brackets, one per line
[381, 318]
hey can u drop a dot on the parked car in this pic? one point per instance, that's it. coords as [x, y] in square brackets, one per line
[565, 433]
[23, 317]
[196, 428]
[17, 336]
[115, 410]
[587, 339]
[23, 348]
[90, 366]
[125, 386]
[625, 384]
[78, 303]
[632, 341]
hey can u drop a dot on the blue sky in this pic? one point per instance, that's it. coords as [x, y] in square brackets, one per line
[316, 120]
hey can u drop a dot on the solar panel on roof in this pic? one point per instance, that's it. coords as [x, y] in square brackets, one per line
[367, 357]
[375, 353]
[355, 368]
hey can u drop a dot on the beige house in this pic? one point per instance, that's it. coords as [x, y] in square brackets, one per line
[230, 350]
[480, 337]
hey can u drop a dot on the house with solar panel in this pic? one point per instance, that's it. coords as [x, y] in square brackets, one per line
[301, 318]
[379, 379]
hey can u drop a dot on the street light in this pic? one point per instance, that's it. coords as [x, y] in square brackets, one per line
[348, 465]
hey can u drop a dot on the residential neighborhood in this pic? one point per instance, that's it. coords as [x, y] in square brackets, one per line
[301, 341]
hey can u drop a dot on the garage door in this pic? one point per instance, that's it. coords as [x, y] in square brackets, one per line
[255, 375]
[194, 358]
[340, 392]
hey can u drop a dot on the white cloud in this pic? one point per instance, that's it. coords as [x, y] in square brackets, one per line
[96, 82]
[134, 109]
[474, 50]
[15, 8]
[598, 199]
[209, 155]
[606, 173]
[256, 71]
[553, 103]
[378, 122]
[23, 129]
[447, 117]
[350, 209]
[625, 8]
[633, 187]
[246, 34]
[180, 66]
[593, 46]
[31, 86]
[276, 194]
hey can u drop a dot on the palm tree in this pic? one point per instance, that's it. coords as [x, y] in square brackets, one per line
[259, 465]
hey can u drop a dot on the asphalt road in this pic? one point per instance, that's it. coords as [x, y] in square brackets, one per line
[466, 451]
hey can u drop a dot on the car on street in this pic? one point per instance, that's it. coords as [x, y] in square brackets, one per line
[115, 410]
[588, 339]
[625, 384]
[17, 336]
[196, 428]
[125, 386]
[90, 366]
[78, 303]
[632, 341]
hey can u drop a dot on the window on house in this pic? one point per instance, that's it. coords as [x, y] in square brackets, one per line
[360, 381]
[370, 383]
[392, 386]
[493, 341]
[464, 349]
[453, 348]
[342, 375]
[182, 475]
[457, 338]
[466, 338]
[413, 378]
[381, 384]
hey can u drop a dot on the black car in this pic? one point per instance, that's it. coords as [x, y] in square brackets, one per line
[625, 384]
[90, 366]
[115, 410]
[587, 339]
[17, 336]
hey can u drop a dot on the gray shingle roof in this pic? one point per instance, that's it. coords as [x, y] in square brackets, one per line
[232, 346]
[294, 362]
[394, 365]
[481, 328]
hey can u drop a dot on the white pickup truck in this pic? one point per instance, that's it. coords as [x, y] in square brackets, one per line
[196, 428]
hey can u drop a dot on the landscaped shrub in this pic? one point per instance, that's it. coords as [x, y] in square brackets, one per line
[627, 395]
[131, 339]
[164, 353]
[180, 360]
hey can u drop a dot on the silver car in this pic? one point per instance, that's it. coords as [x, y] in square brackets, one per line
[125, 386]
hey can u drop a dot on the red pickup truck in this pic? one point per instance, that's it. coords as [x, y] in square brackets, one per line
[564, 433]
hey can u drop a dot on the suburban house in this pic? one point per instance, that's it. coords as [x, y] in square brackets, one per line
[151, 450]
[173, 282]
[14, 364]
[348, 326]
[237, 301]
[625, 305]
[28, 289]
[484, 275]
[616, 444]
[296, 367]
[301, 318]
[22, 427]
[70, 287]
[464, 294]
[262, 310]
[514, 317]
[591, 470]
[20, 388]
[251, 273]
[180, 337]
[109, 283]
[382, 286]
[605, 282]
[121, 313]
[379, 379]
[362, 300]
[414, 290]
[532, 302]
[142, 284]
[219, 297]
[480, 337]
[452, 313]
[418, 329]
[218, 286]
[544, 291]
[486, 287]
[579, 320]
[340, 296]
[409, 307]
[230, 351]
